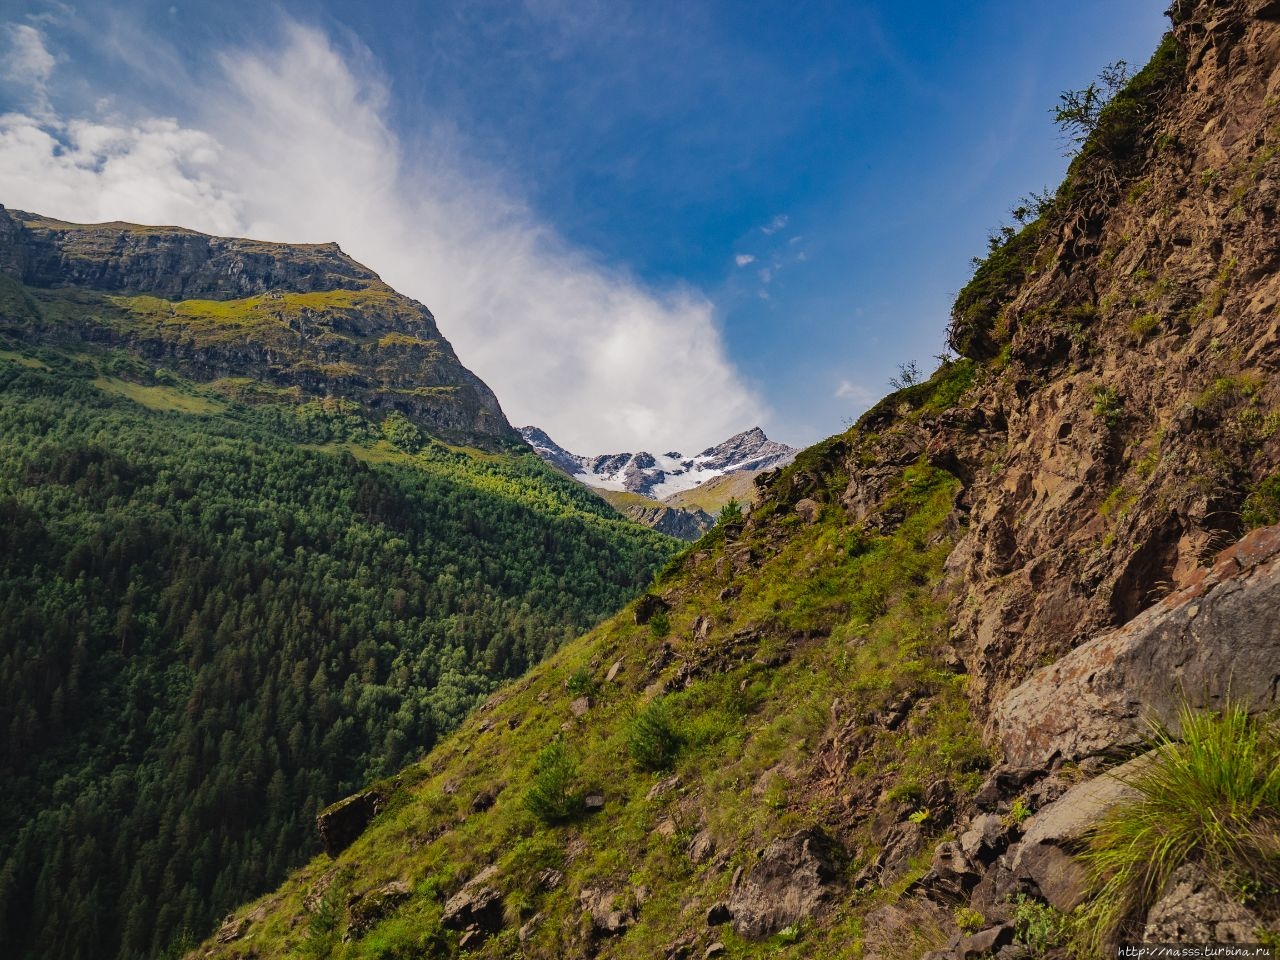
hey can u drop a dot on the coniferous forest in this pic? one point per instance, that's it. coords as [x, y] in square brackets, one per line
[216, 619]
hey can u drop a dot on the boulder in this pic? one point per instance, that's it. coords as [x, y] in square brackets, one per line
[984, 943]
[607, 920]
[702, 846]
[526, 931]
[1043, 855]
[1193, 910]
[985, 839]
[1217, 637]
[549, 878]
[903, 841]
[232, 929]
[1062, 881]
[794, 877]
[1071, 815]
[476, 905]
[376, 905]
[647, 606]
[808, 509]
[340, 824]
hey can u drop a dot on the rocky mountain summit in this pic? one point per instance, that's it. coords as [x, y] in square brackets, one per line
[256, 319]
[902, 710]
[659, 476]
[660, 491]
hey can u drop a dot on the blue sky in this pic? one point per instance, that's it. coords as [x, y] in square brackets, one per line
[644, 224]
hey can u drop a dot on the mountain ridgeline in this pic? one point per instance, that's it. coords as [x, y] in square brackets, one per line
[258, 320]
[262, 540]
[878, 717]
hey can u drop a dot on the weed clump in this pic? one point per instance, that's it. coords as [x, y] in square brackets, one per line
[1262, 506]
[1108, 406]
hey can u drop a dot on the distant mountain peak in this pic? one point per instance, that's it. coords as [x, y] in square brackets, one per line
[658, 476]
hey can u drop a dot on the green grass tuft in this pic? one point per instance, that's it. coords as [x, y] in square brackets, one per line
[1262, 506]
[1213, 798]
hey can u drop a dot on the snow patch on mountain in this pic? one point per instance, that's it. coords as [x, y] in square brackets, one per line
[662, 475]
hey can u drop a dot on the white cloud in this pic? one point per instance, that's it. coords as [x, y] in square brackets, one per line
[776, 224]
[292, 144]
[743, 259]
[860, 395]
[28, 63]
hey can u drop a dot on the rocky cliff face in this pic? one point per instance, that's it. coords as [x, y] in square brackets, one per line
[168, 262]
[684, 524]
[260, 317]
[1131, 342]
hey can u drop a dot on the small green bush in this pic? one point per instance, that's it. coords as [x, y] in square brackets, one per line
[660, 625]
[654, 736]
[731, 512]
[1145, 325]
[1213, 798]
[1039, 926]
[969, 920]
[581, 683]
[1262, 506]
[554, 796]
[1108, 405]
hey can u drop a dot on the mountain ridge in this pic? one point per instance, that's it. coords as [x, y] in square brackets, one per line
[305, 318]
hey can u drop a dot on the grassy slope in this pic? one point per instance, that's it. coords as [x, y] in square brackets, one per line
[714, 494]
[789, 666]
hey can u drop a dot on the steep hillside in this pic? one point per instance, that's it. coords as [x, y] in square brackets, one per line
[876, 719]
[225, 604]
[256, 319]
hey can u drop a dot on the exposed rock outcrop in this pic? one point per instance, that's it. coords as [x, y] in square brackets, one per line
[1216, 638]
[478, 906]
[341, 823]
[1109, 457]
[790, 882]
[1194, 910]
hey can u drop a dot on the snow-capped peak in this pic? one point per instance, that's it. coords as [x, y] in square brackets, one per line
[660, 475]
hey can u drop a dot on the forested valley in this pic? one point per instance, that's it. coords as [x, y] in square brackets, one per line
[216, 618]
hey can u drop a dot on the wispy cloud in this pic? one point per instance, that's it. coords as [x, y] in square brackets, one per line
[860, 395]
[776, 224]
[743, 259]
[292, 143]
